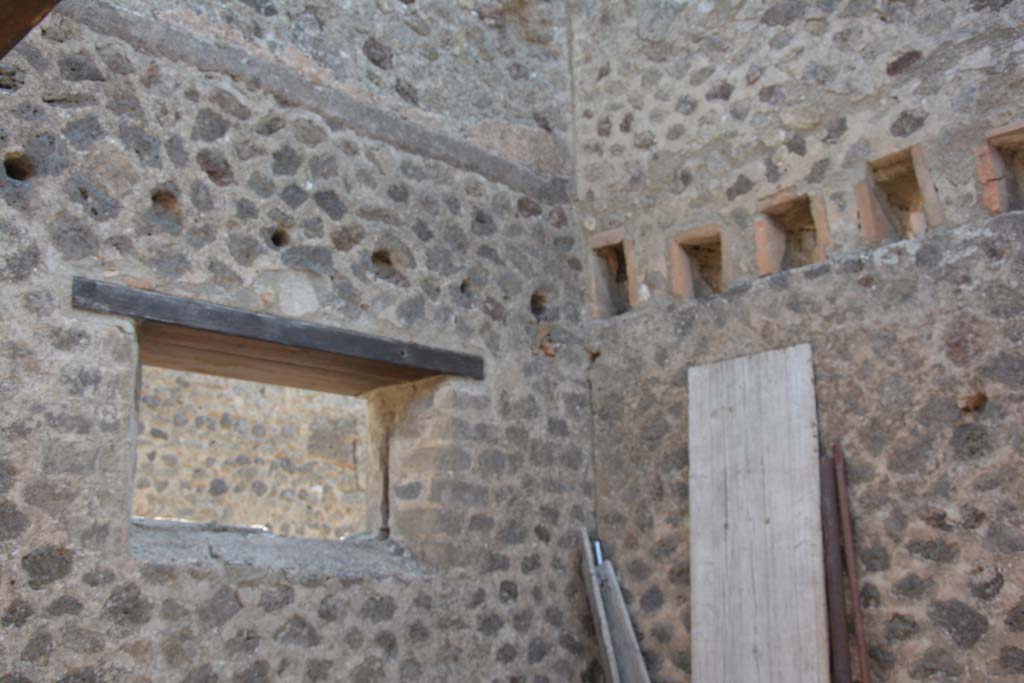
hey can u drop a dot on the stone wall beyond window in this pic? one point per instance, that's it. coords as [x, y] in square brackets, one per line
[213, 449]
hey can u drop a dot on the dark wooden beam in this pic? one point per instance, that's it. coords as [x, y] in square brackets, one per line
[195, 336]
[18, 17]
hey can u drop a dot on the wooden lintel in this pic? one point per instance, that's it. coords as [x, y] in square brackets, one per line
[18, 17]
[191, 335]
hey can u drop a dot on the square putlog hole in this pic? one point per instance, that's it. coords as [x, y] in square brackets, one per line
[613, 286]
[696, 263]
[1001, 169]
[791, 231]
[898, 200]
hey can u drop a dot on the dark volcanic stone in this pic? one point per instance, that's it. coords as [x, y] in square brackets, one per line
[903, 62]
[936, 661]
[379, 54]
[64, 605]
[258, 672]
[17, 614]
[86, 675]
[80, 67]
[970, 441]
[652, 600]
[276, 597]
[293, 196]
[379, 608]
[901, 627]
[74, 241]
[319, 670]
[720, 91]
[875, 558]
[264, 7]
[201, 674]
[286, 161]
[964, 625]
[784, 13]
[47, 564]
[1011, 659]
[209, 126]
[329, 203]
[145, 147]
[935, 550]
[127, 606]
[83, 132]
[297, 631]
[13, 522]
[216, 166]
[740, 187]
[87, 191]
[1015, 617]
[483, 224]
[907, 123]
[220, 607]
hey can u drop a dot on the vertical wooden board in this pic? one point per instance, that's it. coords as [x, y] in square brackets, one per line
[758, 607]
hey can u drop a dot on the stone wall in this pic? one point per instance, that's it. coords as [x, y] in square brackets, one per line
[705, 114]
[144, 163]
[404, 169]
[692, 113]
[917, 373]
[216, 450]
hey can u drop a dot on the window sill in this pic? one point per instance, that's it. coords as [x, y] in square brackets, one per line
[356, 557]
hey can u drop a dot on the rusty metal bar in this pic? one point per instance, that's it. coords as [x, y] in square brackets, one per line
[839, 637]
[18, 17]
[851, 564]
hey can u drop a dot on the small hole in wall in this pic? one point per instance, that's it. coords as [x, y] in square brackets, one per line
[165, 203]
[695, 263]
[280, 238]
[788, 236]
[707, 260]
[382, 263]
[19, 166]
[538, 305]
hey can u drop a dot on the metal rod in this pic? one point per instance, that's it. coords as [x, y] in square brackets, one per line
[851, 563]
[839, 636]
[598, 555]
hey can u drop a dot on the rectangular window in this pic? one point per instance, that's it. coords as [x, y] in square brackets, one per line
[267, 441]
[222, 451]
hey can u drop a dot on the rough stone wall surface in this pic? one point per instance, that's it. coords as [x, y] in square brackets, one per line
[689, 113]
[494, 71]
[918, 375]
[216, 450]
[151, 172]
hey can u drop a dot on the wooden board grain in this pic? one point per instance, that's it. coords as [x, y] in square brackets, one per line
[18, 17]
[185, 334]
[758, 606]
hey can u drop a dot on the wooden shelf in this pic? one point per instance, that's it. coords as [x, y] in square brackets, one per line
[184, 334]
